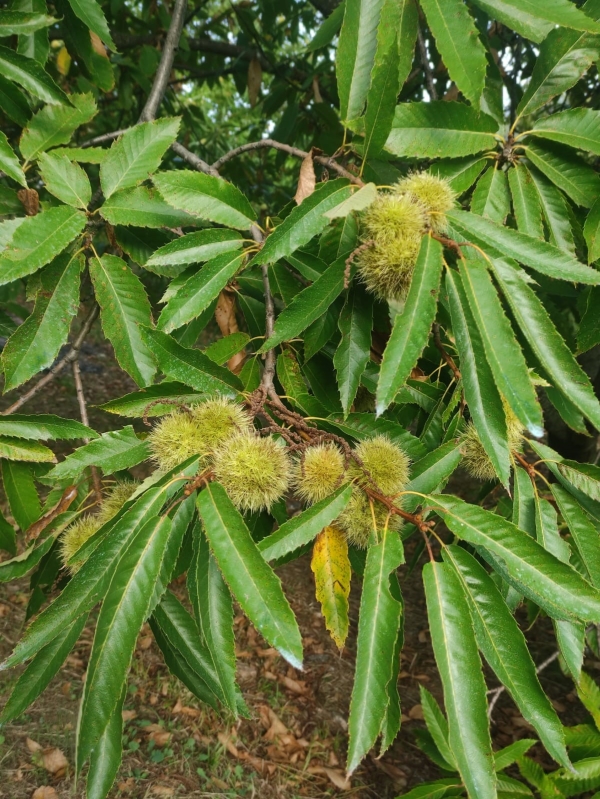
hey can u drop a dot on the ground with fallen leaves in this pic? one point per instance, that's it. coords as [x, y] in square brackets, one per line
[294, 746]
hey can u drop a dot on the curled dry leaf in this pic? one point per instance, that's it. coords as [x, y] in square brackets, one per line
[54, 761]
[226, 319]
[44, 792]
[307, 180]
[254, 80]
[337, 777]
[32, 745]
[30, 201]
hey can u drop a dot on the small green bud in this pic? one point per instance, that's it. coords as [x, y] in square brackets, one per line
[74, 537]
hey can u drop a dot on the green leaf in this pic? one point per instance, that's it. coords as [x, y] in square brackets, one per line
[553, 585]
[539, 255]
[510, 754]
[41, 670]
[356, 54]
[105, 758]
[124, 308]
[188, 366]
[93, 60]
[358, 201]
[523, 515]
[564, 57]
[555, 210]
[124, 610]
[526, 202]
[83, 155]
[558, 12]
[13, 102]
[530, 23]
[481, 393]
[90, 13]
[111, 452]
[457, 40]
[199, 291]
[66, 180]
[16, 449]
[20, 22]
[31, 76]
[178, 665]
[182, 632]
[378, 625]
[440, 129]
[90, 582]
[583, 476]
[411, 327]
[354, 350]
[591, 229]
[385, 77]
[327, 29]
[437, 725]
[364, 425]
[19, 487]
[136, 154]
[458, 661]
[225, 348]
[53, 125]
[302, 529]
[308, 306]
[558, 362]
[502, 350]
[205, 196]
[504, 647]
[252, 582]
[435, 790]
[9, 161]
[38, 240]
[22, 564]
[35, 344]
[304, 222]
[460, 173]
[143, 207]
[570, 637]
[567, 171]
[547, 533]
[166, 395]
[431, 472]
[577, 127]
[213, 609]
[194, 248]
[491, 197]
[584, 532]
[43, 426]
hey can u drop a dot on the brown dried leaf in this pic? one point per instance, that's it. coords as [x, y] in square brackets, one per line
[307, 180]
[54, 761]
[33, 746]
[162, 790]
[337, 777]
[129, 715]
[30, 201]
[254, 80]
[226, 319]
[416, 713]
[316, 90]
[44, 792]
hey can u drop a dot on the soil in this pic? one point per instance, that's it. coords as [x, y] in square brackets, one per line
[294, 744]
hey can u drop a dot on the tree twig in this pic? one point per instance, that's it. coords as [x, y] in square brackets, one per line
[325, 160]
[495, 693]
[58, 366]
[163, 72]
[96, 482]
[442, 350]
[194, 160]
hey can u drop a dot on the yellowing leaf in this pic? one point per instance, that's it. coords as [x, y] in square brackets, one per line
[331, 568]
[63, 61]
